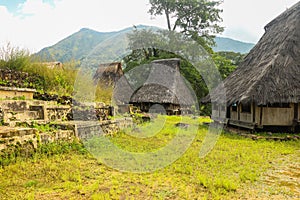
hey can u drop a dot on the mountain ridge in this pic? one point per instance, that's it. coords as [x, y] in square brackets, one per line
[79, 45]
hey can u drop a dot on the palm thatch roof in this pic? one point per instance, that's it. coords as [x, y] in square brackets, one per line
[164, 85]
[270, 73]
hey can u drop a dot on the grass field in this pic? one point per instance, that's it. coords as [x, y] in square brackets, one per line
[236, 168]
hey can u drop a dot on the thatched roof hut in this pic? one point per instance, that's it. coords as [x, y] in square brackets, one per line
[53, 65]
[270, 73]
[109, 73]
[160, 83]
[165, 86]
[265, 89]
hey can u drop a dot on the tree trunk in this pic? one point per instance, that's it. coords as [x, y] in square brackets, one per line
[168, 19]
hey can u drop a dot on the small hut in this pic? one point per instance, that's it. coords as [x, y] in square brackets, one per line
[53, 65]
[108, 74]
[264, 91]
[165, 87]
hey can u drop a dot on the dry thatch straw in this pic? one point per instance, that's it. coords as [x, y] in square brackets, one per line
[159, 82]
[109, 74]
[165, 85]
[270, 73]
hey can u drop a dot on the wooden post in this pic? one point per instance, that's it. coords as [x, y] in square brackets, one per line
[239, 111]
[296, 114]
[253, 111]
[261, 115]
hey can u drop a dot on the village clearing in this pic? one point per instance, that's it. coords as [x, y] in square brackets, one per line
[236, 168]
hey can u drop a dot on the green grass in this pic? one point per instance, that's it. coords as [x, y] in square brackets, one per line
[234, 164]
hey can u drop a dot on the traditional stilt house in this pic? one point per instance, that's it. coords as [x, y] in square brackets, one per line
[264, 91]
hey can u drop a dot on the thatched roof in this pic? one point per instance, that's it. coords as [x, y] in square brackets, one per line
[122, 91]
[154, 93]
[109, 73]
[270, 73]
[164, 85]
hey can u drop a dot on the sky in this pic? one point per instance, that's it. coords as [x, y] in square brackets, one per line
[35, 24]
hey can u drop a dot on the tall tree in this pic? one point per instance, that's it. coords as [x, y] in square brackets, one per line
[198, 19]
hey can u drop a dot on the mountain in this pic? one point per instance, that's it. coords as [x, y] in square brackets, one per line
[77, 46]
[92, 47]
[227, 44]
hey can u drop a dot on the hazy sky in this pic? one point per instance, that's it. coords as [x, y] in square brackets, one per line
[35, 24]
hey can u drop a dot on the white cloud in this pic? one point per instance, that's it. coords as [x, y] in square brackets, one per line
[43, 24]
[35, 7]
[245, 19]
[7, 32]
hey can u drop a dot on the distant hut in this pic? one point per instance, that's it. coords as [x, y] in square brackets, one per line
[53, 65]
[108, 74]
[165, 87]
[264, 91]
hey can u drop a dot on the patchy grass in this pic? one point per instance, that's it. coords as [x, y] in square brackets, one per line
[235, 164]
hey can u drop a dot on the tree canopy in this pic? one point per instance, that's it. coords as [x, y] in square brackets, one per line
[198, 19]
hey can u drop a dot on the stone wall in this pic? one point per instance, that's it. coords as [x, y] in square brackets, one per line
[93, 112]
[80, 111]
[16, 93]
[12, 78]
[12, 111]
[88, 129]
[10, 137]
[68, 131]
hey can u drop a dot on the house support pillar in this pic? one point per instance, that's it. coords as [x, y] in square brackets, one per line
[296, 117]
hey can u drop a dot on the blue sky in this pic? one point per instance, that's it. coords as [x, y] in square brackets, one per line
[35, 24]
[13, 6]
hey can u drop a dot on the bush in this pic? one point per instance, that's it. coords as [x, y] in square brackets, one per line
[54, 81]
[57, 81]
[13, 57]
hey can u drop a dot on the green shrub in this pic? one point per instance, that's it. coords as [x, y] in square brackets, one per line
[57, 81]
[14, 58]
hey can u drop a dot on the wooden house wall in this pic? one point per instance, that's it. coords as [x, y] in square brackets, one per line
[233, 114]
[270, 116]
[278, 116]
[171, 109]
[241, 116]
[265, 116]
[218, 112]
[246, 116]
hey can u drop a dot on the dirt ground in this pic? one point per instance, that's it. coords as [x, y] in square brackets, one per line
[280, 182]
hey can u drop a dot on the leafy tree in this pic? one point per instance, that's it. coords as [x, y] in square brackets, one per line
[197, 19]
[143, 44]
[235, 57]
[224, 65]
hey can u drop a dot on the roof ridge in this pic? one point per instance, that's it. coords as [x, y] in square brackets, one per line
[286, 13]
